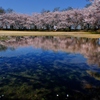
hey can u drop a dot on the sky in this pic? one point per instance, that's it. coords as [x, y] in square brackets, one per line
[33, 6]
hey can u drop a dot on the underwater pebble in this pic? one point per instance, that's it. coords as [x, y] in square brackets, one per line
[3, 77]
[67, 95]
[57, 95]
[2, 95]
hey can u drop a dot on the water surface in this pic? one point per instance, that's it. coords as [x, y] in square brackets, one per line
[49, 68]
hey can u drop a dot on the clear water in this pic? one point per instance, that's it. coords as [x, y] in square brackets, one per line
[49, 68]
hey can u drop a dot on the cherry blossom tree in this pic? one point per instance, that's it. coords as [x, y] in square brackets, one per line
[87, 18]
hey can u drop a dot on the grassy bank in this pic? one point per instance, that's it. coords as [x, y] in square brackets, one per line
[33, 33]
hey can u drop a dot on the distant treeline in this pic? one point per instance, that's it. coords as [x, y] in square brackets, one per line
[2, 10]
[70, 19]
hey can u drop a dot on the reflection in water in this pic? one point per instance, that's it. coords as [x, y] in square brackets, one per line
[90, 48]
[45, 68]
[96, 75]
[3, 48]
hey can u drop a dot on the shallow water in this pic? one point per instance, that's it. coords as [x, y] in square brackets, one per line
[49, 68]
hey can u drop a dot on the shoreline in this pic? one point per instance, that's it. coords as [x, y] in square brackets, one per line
[38, 33]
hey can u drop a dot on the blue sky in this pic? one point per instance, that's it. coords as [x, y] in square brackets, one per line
[30, 6]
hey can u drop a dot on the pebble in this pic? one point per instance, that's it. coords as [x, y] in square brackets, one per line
[3, 77]
[2, 95]
[57, 95]
[67, 95]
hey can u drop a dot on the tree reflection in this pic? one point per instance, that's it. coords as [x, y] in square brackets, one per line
[96, 75]
[3, 48]
[90, 48]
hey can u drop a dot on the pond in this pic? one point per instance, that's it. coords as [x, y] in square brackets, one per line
[49, 68]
